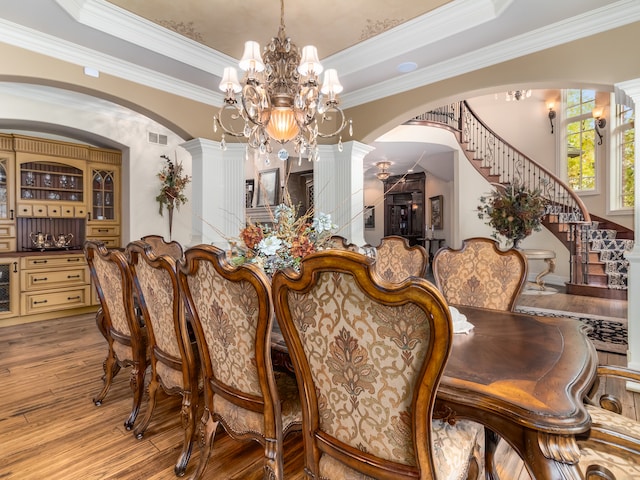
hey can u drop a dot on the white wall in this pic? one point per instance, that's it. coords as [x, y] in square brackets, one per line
[86, 118]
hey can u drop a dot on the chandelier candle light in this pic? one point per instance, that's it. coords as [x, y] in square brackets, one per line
[281, 98]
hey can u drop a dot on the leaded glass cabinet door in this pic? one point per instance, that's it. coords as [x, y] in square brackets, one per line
[7, 205]
[104, 213]
[9, 288]
[103, 190]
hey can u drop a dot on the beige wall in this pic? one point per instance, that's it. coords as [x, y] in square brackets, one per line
[587, 62]
[583, 62]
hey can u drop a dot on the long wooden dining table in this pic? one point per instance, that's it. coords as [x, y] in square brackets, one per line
[523, 377]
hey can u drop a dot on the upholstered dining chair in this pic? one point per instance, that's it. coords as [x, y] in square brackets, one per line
[117, 321]
[159, 246]
[232, 316]
[611, 447]
[396, 260]
[480, 274]
[174, 365]
[340, 243]
[368, 357]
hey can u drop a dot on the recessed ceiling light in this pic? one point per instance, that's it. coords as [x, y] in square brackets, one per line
[410, 170]
[406, 67]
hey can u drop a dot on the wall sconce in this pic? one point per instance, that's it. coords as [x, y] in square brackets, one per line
[599, 123]
[552, 114]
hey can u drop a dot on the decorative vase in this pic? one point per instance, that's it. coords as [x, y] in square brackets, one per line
[516, 241]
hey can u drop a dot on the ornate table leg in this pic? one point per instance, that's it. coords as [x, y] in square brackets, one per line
[551, 267]
[552, 456]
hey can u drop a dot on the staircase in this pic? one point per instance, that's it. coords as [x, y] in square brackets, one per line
[597, 265]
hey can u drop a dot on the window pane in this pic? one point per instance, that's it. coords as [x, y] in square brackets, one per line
[581, 139]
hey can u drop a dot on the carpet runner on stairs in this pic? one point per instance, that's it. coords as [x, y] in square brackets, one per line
[611, 252]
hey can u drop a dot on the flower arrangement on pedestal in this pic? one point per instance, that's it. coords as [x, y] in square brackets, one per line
[513, 211]
[172, 185]
[286, 243]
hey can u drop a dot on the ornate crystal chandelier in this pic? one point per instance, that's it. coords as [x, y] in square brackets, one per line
[281, 98]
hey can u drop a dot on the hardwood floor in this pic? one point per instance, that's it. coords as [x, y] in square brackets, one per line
[50, 428]
[576, 303]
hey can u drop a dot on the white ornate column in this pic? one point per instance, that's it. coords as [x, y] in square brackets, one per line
[338, 187]
[218, 191]
[624, 92]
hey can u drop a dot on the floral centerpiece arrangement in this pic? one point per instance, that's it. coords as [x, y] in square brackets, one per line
[287, 242]
[513, 211]
[172, 184]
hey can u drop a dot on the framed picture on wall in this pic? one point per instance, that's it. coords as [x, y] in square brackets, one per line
[268, 187]
[436, 212]
[369, 217]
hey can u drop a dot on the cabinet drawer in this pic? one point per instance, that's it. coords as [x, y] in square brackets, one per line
[52, 261]
[40, 210]
[7, 244]
[80, 211]
[7, 231]
[67, 211]
[54, 300]
[25, 210]
[47, 279]
[109, 242]
[54, 211]
[95, 231]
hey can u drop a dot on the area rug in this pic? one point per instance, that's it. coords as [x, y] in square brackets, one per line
[609, 334]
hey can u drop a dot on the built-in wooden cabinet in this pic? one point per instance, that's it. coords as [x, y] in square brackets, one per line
[104, 209]
[9, 287]
[53, 283]
[51, 189]
[7, 198]
[404, 207]
[53, 196]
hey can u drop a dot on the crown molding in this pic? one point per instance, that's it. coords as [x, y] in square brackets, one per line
[35, 41]
[444, 22]
[584, 25]
[106, 17]
[113, 20]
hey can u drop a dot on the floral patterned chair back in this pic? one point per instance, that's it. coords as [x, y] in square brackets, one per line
[369, 357]
[340, 243]
[160, 246]
[396, 260]
[232, 317]
[174, 365]
[480, 274]
[117, 321]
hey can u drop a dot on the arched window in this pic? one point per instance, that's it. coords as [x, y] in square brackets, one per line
[581, 139]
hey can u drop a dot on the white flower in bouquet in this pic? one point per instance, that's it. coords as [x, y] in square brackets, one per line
[322, 223]
[269, 246]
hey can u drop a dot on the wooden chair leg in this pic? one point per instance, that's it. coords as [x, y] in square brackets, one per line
[189, 412]
[273, 464]
[208, 429]
[151, 405]
[111, 368]
[491, 440]
[136, 381]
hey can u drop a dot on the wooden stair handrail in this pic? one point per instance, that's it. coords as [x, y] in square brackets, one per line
[577, 200]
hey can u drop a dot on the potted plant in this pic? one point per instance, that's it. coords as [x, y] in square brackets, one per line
[514, 211]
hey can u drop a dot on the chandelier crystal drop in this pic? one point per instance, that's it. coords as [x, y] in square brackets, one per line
[281, 98]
